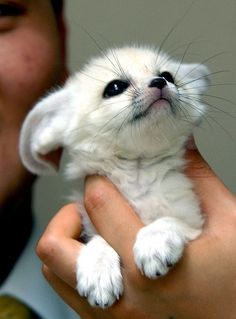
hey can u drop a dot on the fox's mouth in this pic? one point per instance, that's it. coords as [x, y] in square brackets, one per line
[158, 104]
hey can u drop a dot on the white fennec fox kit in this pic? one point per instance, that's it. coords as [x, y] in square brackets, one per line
[127, 115]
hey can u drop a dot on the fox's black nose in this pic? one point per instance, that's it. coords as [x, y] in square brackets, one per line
[159, 83]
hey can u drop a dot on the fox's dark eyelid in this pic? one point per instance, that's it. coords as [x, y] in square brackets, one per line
[11, 10]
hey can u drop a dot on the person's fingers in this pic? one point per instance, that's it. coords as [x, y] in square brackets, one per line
[112, 215]
[58, 247]
[123, 308]
[197, 167]
[68, 294]
[209, 188]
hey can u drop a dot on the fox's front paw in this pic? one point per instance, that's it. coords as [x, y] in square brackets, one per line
[156, 253]
[160, 245]
[98, 273]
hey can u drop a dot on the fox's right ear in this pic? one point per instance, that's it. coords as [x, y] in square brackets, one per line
[44, 130]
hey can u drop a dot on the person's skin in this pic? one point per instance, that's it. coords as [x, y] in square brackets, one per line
[201, 286]
[31, 62]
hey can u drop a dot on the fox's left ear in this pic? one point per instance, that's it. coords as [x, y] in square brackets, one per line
[195, 75]
[43, 132]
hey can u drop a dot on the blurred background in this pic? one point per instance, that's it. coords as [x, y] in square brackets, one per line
[209, 26]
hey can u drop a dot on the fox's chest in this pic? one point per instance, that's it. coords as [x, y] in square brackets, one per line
[145, 189]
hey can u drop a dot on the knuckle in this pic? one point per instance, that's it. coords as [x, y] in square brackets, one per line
[95, 198]
[46, 247]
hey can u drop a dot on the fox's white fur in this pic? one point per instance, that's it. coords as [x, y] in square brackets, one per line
[136, 137]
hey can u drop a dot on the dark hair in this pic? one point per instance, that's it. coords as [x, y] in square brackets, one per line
[57, 6]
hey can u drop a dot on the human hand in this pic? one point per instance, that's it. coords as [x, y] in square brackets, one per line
[202, 285]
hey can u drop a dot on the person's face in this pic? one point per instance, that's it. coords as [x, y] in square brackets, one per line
[31, 62]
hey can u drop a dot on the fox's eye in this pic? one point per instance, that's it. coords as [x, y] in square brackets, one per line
[167, 76]
[115, 87]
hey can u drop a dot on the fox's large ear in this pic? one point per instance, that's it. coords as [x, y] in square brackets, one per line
[197, 76]
[43, 131]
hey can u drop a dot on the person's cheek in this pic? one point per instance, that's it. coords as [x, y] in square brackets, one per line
[27, 70]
